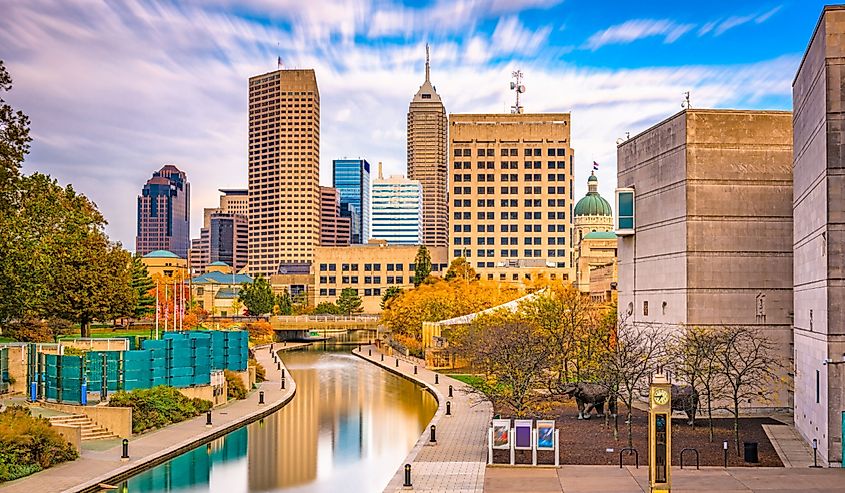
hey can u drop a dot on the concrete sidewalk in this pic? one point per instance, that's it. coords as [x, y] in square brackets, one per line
[149, 449]
[457, 462]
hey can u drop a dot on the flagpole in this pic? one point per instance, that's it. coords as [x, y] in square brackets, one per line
[157, 309]
[166, 308]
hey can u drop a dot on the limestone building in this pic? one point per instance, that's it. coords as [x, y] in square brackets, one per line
[334, 229]
[511, 195]
[704, 217]
[819, 237]
[284, 169]
[594, 243]
[427, 162]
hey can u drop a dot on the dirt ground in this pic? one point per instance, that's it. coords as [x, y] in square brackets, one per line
[589, 442]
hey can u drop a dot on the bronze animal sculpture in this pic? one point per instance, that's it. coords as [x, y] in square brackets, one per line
[589, 396]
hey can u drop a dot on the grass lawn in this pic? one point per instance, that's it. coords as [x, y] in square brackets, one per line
[476, 381]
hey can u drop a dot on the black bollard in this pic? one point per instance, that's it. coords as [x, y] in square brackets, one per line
[433, 436]
[369, 352]
[815, 451]
[278, 365]
[407, 476]
[448, 408]
[725, 449]
[397, 362]
[415, 369]
[382, 356]
[436, 378]
[283, 383]
[359, 347]
[283, 373]
[261, 397]
[450, 391]
[125, 456]
[208, 419]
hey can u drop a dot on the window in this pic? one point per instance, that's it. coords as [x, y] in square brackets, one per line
[625, 211]
[368, 292]
[818, 383]
[645, 308]
[467, 152]
[323, 267]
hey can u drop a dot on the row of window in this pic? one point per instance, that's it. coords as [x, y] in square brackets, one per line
[503, 203]
[512, 253]
[509, 190]
[509, 165]
[367, 279]
[508, 228]
[367, 267]
[463, 152]
[511, 215]
[507, 240]
[514, 177]
[367, 291]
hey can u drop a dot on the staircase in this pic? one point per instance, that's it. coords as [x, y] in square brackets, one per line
[90, 429]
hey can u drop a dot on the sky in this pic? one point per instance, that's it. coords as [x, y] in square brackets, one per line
[117, 89]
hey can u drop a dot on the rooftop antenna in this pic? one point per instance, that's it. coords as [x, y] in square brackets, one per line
[518, 88]
[685, 103]
[427, 63]
[279, 62]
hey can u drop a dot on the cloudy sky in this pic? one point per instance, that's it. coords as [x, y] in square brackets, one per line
[116, 89]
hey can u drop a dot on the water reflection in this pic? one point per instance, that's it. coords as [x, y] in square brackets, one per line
[348, 429]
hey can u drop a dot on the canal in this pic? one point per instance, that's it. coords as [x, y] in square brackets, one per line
[348, 429]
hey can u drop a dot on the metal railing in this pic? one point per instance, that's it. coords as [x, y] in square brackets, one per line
[636, 456]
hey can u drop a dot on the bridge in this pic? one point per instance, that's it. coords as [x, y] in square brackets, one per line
[350, 329]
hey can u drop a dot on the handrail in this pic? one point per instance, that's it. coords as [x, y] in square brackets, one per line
[696, 457]
[636, 456]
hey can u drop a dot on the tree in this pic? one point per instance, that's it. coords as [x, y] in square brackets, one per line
[695, 359]
[389, 294]
[257, 297]
[748, 367]
[144, 289]
[284, 305]
[460, 269]
[237, 307]
[327, 308]
[14, 134]
[349, 302]
[422, 265]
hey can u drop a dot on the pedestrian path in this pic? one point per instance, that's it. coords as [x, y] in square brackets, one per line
[790, 447]
[456, 463]
[104, 465]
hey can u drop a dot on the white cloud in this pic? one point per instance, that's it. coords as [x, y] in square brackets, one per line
[636, 29]
[721, 26]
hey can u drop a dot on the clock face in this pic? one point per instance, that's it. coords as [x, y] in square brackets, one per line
[660, 396]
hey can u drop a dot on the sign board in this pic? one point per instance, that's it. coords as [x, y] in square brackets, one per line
[545, 434]
[522, 434]
[502, 434]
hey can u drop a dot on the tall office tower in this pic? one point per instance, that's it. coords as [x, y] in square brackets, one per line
[164, 213]
[397, 210]
[224, 236]
[351, 178]
[427, 161]
[334, 229]
[284, 169]
[512, 195]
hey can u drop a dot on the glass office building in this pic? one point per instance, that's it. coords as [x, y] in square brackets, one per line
[351, 177]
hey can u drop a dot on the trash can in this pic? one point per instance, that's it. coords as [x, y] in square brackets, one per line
[751, 452]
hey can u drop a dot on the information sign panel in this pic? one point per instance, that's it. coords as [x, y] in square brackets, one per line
[522, 432]
[546, 434]
[501, 434]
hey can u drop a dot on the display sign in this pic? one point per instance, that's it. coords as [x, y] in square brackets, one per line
[522, 434]
[545, 434]
[501, 434]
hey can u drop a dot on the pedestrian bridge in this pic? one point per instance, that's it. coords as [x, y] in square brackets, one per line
[350, 329]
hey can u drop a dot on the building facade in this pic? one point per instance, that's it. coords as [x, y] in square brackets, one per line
[397, 210]
[709, 242]
[593, 238]
[164, 213]
[351, 178]
[224, 236]
[427, 159]
[284, 169]
[334, 229]
[819, 237]
[511, 179]
[165, 264]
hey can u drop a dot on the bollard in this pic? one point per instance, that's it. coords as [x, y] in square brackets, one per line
[407, 476]
[725, 449]
[450, 391]
[415, 369]
[125, 456]
[448, 408]
[369, 352]
[261, 397]
[208, 419]
[382, 356]
[436, 378]
[283, 372]
[283, 383]
[278, 365]
[433, 436]
[397, 362]
[815, 451]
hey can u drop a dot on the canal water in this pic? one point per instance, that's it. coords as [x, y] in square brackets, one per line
[348, 429]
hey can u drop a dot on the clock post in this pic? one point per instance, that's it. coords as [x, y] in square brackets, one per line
[660, 435]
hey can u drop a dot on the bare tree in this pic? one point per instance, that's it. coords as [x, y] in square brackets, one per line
[747, 366]
[694, 357]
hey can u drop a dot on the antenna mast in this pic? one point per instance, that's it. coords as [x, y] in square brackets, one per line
[427, 63]
[518, 88]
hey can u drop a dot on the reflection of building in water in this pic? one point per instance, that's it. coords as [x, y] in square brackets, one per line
[284, 454]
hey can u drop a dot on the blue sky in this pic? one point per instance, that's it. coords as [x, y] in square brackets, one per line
[116, 89]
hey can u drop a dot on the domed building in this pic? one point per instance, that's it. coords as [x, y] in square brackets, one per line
[594, 242]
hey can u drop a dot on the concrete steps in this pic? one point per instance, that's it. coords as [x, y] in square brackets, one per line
[90, 429]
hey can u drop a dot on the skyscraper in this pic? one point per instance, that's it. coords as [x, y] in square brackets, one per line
[284, 169]
[397, 211]
[334, 229]
[351, 178]
[427, 161]
[164, 213]
[224, 235]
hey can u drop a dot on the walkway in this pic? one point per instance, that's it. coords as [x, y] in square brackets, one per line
[456, 464]
[104, 466]
[790, 447]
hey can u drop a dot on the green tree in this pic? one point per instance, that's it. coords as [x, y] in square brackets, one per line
[422, 265]
[257, 297]
[327, 308]
[142, 284]
[460, 269]
[349, 302]
[14, 134]
[284, 303]
[389, 294]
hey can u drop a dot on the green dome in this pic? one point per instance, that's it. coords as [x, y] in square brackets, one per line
[593, 204]
[161, 254]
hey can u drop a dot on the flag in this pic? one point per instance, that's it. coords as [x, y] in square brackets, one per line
[595, 166]
[279, 61]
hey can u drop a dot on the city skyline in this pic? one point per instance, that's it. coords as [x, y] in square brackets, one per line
[134, 98]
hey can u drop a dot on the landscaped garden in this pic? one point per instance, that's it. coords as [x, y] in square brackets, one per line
[29, 444]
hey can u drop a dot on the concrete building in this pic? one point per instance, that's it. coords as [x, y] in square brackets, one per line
[397, 210]
[334, 229]
[284, 169]
[370, 269]
[164, 213]
[704, 214]
[224, 236]
[217, 289]
[295, 279]
[593, 239]
[427, 162]
[351, 178]
[511, 195]
[819, 237]
[166, 264]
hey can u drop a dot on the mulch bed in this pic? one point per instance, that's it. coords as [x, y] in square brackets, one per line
[590, 442]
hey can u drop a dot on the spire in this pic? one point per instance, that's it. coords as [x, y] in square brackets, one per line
[427, 63]
[380, 175]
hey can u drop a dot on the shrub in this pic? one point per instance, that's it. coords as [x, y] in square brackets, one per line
[29, 444]
[260, 332]
[260, 372]
[158, 407]
[234, 384]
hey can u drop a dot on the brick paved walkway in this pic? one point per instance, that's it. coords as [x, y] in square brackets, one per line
[104, 466]
[456, 464]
